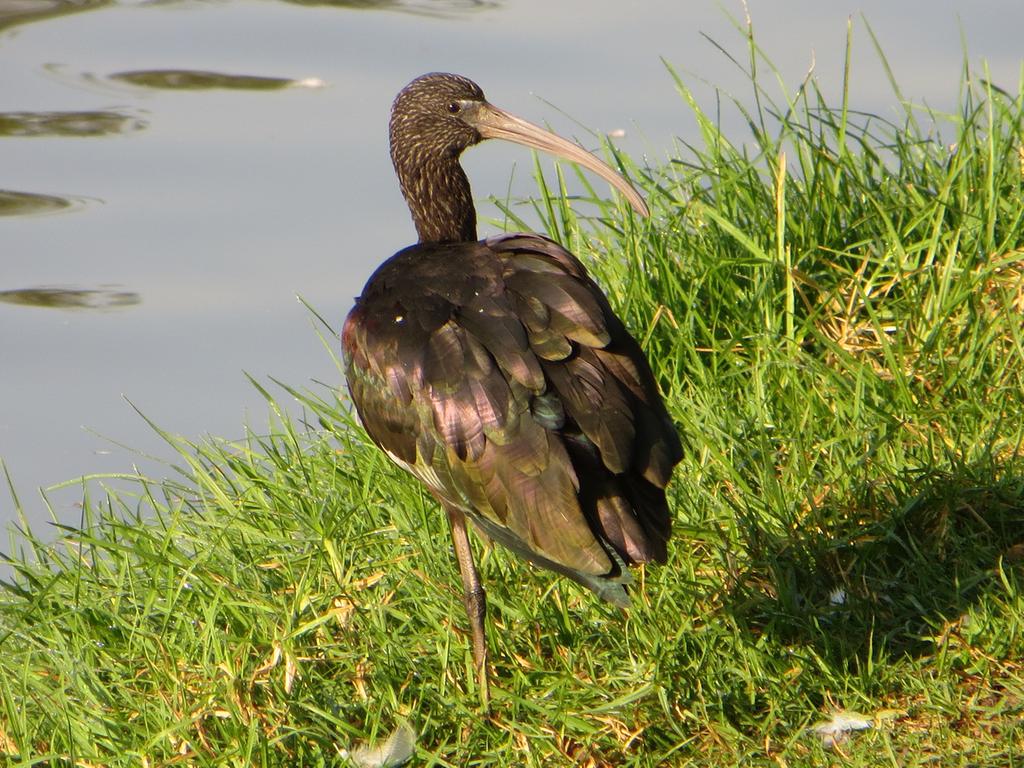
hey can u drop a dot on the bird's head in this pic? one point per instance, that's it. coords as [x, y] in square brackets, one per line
[439, 115]
[437, 112]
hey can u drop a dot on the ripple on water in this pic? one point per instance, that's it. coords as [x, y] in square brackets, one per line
[198, 79]
[99, 122]
[14, 203]
[54, 297]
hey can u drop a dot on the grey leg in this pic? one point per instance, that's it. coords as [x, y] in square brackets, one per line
[474, 599]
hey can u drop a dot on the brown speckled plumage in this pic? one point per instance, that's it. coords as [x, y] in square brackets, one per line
[425, 149]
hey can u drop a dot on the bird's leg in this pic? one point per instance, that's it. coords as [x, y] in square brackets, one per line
[473, 597]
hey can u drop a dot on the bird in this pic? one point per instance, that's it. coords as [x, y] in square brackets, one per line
[496, 372]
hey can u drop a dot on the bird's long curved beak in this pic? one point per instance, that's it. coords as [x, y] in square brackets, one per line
[494, 123]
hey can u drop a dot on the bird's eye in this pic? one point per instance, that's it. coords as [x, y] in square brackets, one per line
[454, 106]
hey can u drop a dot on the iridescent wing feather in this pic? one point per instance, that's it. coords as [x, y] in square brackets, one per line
[497, 374]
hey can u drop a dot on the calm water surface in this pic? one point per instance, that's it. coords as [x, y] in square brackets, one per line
[164, 197]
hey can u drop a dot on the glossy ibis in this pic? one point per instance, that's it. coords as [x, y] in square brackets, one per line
[496, 372]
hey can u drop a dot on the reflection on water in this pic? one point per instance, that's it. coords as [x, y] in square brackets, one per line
[87, 123]
[435, 8]
[22, 11]
[14, 12]
[71, 298]
[25, 203]
[197, 79]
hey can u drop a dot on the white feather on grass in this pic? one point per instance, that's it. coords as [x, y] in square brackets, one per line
[395, 750]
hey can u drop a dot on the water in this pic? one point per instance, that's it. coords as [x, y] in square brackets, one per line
[154, 237]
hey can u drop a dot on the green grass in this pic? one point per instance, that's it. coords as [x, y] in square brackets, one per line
[834, 309]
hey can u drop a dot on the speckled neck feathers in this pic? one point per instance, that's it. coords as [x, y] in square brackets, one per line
[437, 192]
[426, 143]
